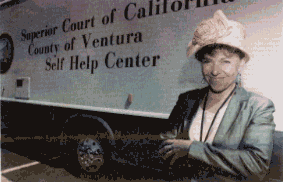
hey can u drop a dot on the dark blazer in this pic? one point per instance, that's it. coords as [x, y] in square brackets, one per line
[243, 144]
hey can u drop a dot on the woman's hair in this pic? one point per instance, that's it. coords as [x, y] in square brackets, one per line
[211, 50]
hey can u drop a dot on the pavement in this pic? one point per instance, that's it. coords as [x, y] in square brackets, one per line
[31, 161]
[3, 179]
[25, 161]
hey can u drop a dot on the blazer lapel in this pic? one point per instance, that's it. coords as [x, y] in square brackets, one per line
[192, 104]
[235, 107]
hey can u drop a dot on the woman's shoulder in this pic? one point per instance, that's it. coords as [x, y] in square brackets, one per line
[260, 108]
[195, 93]
[258, 100]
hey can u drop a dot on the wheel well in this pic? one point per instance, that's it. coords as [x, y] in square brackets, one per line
[85, 124]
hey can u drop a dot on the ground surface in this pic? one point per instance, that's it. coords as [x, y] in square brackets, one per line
[38, 161]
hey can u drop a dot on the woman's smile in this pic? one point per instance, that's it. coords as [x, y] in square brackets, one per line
[216, 79]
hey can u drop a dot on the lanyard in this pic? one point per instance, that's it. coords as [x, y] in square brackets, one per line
[202, 119]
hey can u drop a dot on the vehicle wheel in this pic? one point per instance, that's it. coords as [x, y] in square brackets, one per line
[90, 154]
[88, 146]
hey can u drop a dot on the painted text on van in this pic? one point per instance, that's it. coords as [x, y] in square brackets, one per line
[38, 34]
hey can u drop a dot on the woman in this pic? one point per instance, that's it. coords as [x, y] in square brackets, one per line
[221, 132]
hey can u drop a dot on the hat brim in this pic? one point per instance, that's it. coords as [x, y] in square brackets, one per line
[193, 49]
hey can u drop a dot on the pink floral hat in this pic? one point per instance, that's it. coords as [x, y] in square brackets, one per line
[218, 30]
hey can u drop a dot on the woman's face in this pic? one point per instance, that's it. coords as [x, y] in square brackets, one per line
[220, 70]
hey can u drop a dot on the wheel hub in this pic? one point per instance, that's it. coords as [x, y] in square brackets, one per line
[90, 155]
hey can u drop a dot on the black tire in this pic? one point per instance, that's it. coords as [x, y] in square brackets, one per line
[92, 140]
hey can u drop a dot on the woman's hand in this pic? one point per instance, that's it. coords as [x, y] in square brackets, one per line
[177, 147]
